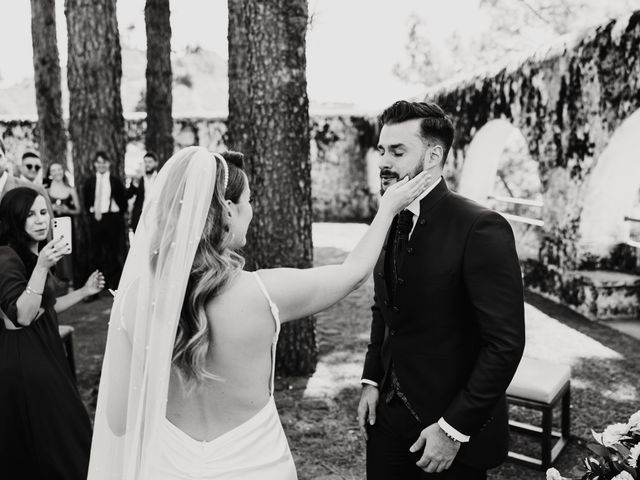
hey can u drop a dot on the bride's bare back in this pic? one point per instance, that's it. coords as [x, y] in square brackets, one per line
[243, 330]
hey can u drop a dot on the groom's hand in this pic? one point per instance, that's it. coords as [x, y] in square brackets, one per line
[367, 408]
[439, 450]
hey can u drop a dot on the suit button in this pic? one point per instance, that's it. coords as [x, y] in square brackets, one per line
[379, 275]
[423, 222]
[410, 250]
[396, 309]
[400, 282]
[392, 332]
[386, 303]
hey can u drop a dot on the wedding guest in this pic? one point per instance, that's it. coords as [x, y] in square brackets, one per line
[31, 167]
[142, 184]
[9, 182]
[45, 431]
[64, 200]
[447, 330]
[106, 203]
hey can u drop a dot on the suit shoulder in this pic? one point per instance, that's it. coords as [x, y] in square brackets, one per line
[467, 208]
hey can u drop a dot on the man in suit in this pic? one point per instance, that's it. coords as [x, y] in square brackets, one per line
[447, 330]
[30, 170]
[141, 185]
[105, 201]
[9, 182]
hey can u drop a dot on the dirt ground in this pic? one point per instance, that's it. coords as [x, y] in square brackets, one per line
[319, 412]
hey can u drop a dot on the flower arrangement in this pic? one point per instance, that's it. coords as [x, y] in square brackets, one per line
[614, 456]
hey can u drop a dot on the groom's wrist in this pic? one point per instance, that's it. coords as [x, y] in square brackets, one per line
[451, 432]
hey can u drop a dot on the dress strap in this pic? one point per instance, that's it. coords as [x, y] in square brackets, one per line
[276, 318]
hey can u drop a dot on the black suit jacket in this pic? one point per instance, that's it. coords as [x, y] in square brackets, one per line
[456, 332]
[138, 203]
[118, 193]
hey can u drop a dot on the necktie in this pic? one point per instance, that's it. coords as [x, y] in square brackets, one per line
[97, 202]
[403, 228]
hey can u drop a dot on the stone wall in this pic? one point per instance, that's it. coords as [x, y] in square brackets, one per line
[340, 148]
[570, 102]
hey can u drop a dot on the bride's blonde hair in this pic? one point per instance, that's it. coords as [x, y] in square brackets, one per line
[214, 265]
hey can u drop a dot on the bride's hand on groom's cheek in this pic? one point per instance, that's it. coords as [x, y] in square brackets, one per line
[439, 450]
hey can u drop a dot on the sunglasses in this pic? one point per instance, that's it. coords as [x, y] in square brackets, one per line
[30, 166]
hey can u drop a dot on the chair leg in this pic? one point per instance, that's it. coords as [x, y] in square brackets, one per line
[566, 414]
[70, 357]
[547, 421]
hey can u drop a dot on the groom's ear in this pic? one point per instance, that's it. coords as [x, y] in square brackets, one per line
[433, 156]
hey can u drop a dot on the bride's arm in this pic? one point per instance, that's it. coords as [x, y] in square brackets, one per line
[302, 292]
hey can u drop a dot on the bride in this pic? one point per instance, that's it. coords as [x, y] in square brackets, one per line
[187, 381]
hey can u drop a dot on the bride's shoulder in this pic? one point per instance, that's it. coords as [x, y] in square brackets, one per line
[240, 290]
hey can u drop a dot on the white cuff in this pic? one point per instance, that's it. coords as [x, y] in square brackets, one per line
[452, 432]
[369, 382]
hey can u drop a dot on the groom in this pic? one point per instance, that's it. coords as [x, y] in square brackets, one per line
[447, 329]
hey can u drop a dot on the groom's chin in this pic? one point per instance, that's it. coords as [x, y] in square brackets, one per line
[385, 184]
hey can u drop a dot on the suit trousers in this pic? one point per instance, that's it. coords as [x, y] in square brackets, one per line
[388, 455]
[109, 246]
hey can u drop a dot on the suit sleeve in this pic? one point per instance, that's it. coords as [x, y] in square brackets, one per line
[493, 281]
[120, 195]
[87, 196]
[373, 368]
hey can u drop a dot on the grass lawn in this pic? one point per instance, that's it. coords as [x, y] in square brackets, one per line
[319, 412]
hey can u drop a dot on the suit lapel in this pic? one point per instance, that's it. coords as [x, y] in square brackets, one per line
[426, 205]
[10, 184]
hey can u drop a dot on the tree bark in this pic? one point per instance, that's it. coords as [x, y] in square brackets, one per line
[52, 134]
[269, 123]
[159, 134]
[94, 72]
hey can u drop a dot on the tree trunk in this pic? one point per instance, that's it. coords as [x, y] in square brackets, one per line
[94, 72]
[159, 135]
[52, 134]
[269, 123]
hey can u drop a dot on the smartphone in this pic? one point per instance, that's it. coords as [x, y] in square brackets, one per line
[62, 228]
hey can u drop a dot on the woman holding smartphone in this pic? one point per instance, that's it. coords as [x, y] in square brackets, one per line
[45, 431]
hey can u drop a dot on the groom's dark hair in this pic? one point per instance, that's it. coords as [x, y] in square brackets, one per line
[435, 125]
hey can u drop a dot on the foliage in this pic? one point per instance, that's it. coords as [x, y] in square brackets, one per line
[615, 454]
[184, 79]
[512, 28]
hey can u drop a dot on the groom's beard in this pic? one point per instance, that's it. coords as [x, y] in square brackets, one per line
[389, 177]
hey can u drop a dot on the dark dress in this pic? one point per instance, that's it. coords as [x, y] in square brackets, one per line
[45, 431]
[64, 268]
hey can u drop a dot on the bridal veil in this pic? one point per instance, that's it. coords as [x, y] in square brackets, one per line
[135, 373]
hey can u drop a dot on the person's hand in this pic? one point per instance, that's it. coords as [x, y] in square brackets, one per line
[439, 450]
[95, 283]
[52, 253]
[399, 195]
[367, 408]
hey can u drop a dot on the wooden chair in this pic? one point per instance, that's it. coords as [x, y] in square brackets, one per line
[66, 334]
[541, 385]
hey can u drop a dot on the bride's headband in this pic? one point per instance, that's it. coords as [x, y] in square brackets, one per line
[225, 169]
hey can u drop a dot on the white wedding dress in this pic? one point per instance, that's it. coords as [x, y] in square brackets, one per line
[132, 438]
[254, 450]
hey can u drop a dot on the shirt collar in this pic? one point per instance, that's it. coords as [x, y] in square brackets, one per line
[414, 207]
